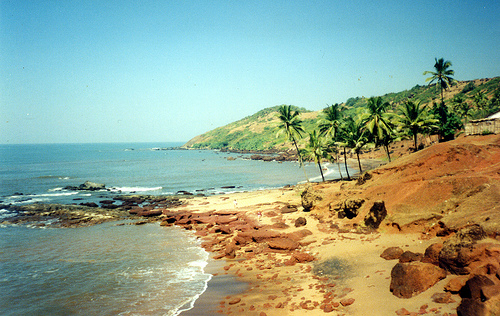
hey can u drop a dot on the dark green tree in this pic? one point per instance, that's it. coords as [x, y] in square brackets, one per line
[448, 123]
[415, 119]
[481, 102]
[377, 121]
[315, 150]
[329, 126]
[461, 107]
[353, 136]
[442, 75]
[291, 125]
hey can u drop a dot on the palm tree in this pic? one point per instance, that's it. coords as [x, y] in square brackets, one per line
[330, 126]
[480, 100]
[461, 106]
[442, 75]
[291, 125]
[316, 150]
[377, 123]
[353, 136]
[415, 119]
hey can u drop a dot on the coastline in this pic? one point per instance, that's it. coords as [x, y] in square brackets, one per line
[358, 284]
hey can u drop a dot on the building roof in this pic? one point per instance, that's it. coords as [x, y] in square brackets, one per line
[494, 116]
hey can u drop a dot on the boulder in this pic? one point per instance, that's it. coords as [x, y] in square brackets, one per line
[299, 257]
[413, 278]
[92, 186]
[348, 208]
[431, 254]
[459, 250]
[309, 198]
[409, 256]
[301, 221]
[288, 209]
[283, 244]
[480, 296]
[264, 235]
[376, 215]
[151, 213]
[392, 253]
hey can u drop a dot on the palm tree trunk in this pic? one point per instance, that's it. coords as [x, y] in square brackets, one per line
[415, 141]
[321, 171]
[338, 165]
[359, 163]
[386, 147]
[300, 159]
[345, 162]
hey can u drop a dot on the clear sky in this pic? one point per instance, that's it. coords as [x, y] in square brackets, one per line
[127, 71]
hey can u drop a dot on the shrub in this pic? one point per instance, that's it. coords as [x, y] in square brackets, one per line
[469, 87]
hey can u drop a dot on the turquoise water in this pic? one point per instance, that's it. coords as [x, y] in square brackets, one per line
[100, 270]
[109, 269]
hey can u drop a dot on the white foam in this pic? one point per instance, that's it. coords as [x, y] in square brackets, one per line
[135, 189]
[6, 213]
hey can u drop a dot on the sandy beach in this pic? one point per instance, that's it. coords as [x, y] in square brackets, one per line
[346, 277]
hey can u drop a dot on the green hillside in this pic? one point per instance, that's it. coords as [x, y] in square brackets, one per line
[259, 131]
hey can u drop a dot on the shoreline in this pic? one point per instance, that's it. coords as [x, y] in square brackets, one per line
[359, 283]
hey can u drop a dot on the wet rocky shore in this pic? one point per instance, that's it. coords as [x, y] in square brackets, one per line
[139, 207]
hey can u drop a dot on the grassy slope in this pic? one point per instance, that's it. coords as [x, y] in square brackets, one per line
[259, 131]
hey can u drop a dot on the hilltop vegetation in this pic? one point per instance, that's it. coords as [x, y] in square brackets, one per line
[259, 131]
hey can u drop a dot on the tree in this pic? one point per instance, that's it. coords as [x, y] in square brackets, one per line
[441, 75]
[448, 122]
[377, 122]
[330, 126]
[316, 150]
[415, 119]
[291, 125]
[461, 107]
[352, 135]
[481, 101]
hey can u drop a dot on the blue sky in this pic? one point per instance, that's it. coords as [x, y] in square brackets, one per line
[128, 71]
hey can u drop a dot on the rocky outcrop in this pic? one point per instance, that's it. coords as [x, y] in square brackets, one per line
[301, 221]
[480, 296]
[87, 186]
[347, 208]
[310, 197]
[410, 279]
[476, 264]
[376, 215]
[392, 253]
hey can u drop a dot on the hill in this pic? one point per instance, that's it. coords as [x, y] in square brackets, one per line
[258, 131]
[456, 183]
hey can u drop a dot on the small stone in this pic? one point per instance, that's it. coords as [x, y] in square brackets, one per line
[347, 301]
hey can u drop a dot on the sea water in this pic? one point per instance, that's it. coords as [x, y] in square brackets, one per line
[112, 269]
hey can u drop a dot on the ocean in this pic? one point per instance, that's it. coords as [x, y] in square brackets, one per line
[112, 269]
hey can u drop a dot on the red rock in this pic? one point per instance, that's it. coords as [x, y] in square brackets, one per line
[230, 251]
[455, 284]
[328, 308]
[392, 253]
[298, 235]
[402, 311]
[410, 279]
[283, 244]
[347, 301]
[409, 256]
[431, 254]
[301, 221]
[222, 220]
[234, 301]
[151, 213]
[264, 235]
[442, 298]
